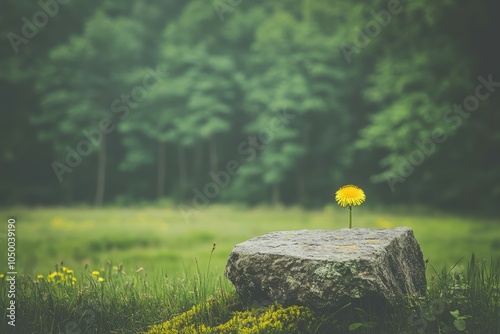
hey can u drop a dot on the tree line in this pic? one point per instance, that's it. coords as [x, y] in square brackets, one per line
[250, 102]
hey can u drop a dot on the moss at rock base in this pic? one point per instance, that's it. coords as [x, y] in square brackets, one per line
[270, 319]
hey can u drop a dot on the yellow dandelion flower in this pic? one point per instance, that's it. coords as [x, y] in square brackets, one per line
[39, 276]
[2, 275]
[100, 279]
[350, 195]
[95, 273]
[69, 271]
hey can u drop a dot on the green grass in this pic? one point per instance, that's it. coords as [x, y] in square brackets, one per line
[159, 277]
[124, 302]
[159, 240]
[467, 302]
[455, 302]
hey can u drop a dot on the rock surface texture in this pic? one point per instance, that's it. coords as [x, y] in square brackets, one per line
[323, 269]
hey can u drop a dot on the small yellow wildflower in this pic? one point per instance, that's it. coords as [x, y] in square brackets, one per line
[39, 276]
[95, 273]
[69, 271]
[100, 279]
[350, 195]
[2, 275]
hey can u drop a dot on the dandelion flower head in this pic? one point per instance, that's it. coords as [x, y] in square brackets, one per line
[350, 195]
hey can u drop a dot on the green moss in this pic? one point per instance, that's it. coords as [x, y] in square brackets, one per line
[270, 319]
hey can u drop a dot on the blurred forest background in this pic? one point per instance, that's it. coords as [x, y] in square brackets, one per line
[300, 96]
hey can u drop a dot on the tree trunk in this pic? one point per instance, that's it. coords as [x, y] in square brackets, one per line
[276, 194]
[101, 173]
[162, 161]
[301, 185]
[198, 157]
[182, 172]
[301, 180]
[214, 159]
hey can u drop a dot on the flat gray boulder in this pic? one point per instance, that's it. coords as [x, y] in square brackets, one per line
[323, 269]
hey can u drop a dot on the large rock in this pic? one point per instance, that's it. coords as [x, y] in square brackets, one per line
[324, 269]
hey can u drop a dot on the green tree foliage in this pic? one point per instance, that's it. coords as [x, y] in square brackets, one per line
[79, 86]
[304, 95]
[421, 77]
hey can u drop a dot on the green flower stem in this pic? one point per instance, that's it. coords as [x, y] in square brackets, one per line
[350, 216]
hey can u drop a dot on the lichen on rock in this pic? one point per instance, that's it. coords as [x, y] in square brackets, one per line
[321, 268]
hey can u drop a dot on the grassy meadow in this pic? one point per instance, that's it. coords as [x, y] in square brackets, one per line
[151, 264]
[158, 239]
